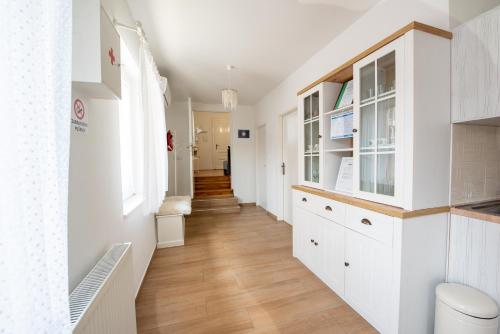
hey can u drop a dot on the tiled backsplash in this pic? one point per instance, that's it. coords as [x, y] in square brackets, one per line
[475, 163]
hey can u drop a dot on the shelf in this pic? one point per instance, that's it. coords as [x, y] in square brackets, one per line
[341, 150]
[339, 110]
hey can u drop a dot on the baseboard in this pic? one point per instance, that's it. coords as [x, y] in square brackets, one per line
[273, 216]
[172, 243]
[247, 204]
[145, 273]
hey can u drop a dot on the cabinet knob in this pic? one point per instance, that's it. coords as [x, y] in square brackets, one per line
[312, 240]
[328, 208]
[320, 136]
[315, 244]
[365, 221]
[354, 130]
[346, 264]
[304, 199]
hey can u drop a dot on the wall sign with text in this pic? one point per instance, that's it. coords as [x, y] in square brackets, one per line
[79, 115]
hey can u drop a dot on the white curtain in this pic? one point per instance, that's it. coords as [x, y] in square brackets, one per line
[155, 137]
[35, 92]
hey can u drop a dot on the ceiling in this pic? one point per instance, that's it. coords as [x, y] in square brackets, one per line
[266, 40]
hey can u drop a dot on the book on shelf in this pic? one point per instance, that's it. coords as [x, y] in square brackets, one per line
[341, 126]
[346, 95]
[344, 178]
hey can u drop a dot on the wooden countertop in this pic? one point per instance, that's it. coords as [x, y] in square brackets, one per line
[465, 212]
[373, 206]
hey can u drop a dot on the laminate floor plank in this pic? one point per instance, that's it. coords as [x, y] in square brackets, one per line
[236, 274]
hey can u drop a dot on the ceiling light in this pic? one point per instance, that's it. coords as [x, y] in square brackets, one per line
[229, 96]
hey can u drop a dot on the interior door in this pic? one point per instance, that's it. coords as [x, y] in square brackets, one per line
[368, 278]
[190, 147]
[290, 163]
[220, 131]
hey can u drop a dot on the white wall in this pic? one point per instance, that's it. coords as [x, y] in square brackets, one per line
[95, 219]
[463, 10]
[177, 118]
[381, 21]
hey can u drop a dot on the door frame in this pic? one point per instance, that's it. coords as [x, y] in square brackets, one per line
[257, 164]
[281, 209]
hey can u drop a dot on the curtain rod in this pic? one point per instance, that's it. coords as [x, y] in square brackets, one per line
[138, 27]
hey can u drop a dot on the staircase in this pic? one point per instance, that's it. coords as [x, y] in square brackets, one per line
[213, 194]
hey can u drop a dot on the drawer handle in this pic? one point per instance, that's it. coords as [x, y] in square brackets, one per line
[346, 264]
[304, 199]
[328, 208]
[365, 221]
[315, 244]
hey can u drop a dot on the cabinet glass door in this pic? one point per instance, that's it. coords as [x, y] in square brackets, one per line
[377, 130]
[311, 137]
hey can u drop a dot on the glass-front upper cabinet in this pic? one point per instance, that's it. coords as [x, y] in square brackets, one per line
[377, 113]
[310, 124]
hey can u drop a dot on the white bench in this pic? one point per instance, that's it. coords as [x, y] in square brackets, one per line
[170, 221]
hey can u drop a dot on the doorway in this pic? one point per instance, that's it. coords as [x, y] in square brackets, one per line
[261, 167]
[289, 166]
[212, 139]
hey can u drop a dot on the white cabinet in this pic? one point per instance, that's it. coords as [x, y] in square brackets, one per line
[368, 278]
[312, 106]
[475, 70]
[401, 118]
[96, 51]
[401, 122]
[385, 267]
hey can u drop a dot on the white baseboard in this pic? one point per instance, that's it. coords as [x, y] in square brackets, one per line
[172, 243]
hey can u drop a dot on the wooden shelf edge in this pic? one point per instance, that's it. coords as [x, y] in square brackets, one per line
[341, 70]
[373, 206]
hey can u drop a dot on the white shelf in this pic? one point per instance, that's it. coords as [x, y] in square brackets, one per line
[311, 120]
[340, 150]
[339, 110]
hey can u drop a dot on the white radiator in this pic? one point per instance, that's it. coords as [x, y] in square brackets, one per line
[104, 302]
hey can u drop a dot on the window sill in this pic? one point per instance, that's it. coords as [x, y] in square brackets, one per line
[132, 203]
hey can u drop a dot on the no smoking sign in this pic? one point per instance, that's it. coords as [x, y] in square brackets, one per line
[79, 116]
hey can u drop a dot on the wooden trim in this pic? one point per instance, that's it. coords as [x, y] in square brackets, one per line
[273, 216]
[247, 204]
[373, 206]
[475, 215]
[344, 71]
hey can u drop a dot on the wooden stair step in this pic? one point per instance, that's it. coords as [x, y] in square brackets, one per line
[213, 202]
[216, 210]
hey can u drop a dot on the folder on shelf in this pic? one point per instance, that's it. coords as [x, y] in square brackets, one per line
[341, 126]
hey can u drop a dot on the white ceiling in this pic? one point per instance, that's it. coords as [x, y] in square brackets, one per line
[193, 40]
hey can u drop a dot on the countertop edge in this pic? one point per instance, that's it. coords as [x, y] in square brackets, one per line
[373, 206]
[475, 215]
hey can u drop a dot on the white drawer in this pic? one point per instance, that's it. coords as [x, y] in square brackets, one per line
[324, 207]
[372, 224]
[304, 200]
[330, 209]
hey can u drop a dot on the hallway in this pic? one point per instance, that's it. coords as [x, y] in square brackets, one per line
[236, 274]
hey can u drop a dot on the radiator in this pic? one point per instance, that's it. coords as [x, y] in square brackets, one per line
[103, 302]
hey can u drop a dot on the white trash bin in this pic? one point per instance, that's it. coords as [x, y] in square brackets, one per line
[464, 310]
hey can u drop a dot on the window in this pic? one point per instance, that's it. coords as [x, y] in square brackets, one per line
[131, 136]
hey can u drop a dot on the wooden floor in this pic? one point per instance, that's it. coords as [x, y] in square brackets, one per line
[236, 274]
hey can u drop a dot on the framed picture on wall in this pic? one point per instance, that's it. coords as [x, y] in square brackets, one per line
[243, 133]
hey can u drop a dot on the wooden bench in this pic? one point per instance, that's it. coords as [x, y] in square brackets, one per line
[170, 223]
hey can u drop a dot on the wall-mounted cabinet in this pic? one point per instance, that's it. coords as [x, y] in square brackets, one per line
[96, 51]
[400, 145]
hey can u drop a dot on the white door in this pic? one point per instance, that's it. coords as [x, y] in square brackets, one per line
[220, 132]
[191, 144]
[333, 255]
[290, 163]
[261, 167]
[368, 278]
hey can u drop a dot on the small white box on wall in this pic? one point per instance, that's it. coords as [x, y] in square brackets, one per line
[96, 51]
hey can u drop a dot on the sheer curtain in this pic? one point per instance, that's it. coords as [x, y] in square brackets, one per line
[155, 136]
[35, 92]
